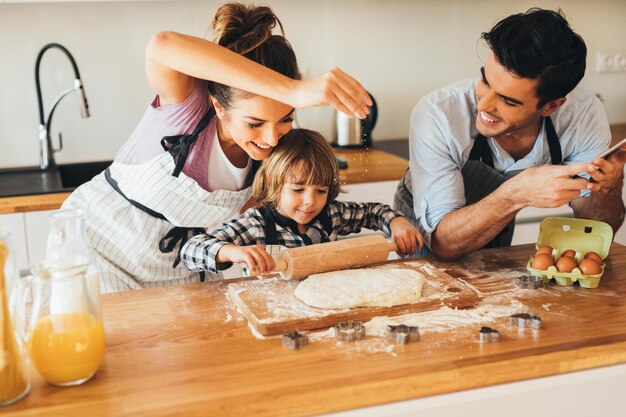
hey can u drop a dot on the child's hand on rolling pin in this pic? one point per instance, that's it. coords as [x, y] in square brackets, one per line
[255, 258]
[405, 235]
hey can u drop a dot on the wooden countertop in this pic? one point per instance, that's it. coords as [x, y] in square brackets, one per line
[185, 351]
[618, 132]
[32, 202]
[363, 166]
[370, 165]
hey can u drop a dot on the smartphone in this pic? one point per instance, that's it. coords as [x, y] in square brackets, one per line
[613, 148]
[607, 153]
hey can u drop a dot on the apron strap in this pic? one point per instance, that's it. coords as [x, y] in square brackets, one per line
[176, 235]
[481, 151]
[327, 223]
[271, 238]
[178, 145]
[115, 186]
[553, 143]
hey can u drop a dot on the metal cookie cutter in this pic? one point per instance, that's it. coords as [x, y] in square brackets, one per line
[528, 282]
[525, 320]
[402, 333]
[488, 335]
[349, 331]
[295, 340]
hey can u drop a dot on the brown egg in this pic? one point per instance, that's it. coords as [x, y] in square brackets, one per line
[569, 252]
[566, 264]
[544, 249]
[594, 256]
[542, 261]
[590, 267]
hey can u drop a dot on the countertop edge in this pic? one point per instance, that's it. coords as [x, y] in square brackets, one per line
[480, 375]
[27, 203]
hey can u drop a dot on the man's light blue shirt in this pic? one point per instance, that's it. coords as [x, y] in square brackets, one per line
[442, 133]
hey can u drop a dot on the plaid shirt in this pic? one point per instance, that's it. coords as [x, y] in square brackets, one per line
[341, 218]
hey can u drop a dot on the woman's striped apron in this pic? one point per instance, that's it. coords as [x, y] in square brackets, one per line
[139, 216]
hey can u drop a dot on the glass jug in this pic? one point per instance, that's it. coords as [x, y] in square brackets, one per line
[14, 381]
[66, 335]
[67, 246]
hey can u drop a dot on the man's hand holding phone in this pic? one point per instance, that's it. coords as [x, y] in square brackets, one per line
[616, 151]
[610, 172]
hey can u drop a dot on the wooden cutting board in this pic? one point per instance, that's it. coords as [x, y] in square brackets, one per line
[272, 309]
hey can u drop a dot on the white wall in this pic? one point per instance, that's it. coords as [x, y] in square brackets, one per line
[399, 50]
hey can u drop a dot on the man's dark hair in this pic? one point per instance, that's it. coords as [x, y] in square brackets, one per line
[540, 44]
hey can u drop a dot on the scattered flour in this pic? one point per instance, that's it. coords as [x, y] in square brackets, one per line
[443, 319]
[440, 320]
[429, 269]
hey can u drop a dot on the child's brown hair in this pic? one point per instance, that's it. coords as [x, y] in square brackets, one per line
[299, 147]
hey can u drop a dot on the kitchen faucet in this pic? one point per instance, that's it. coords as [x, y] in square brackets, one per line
[46, 151]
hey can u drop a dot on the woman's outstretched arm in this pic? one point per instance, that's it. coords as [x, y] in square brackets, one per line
[175, 60]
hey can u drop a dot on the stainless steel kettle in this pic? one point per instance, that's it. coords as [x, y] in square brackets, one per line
[355, 132]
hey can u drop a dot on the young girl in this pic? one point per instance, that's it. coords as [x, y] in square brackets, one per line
[220, 107]
[296, 188]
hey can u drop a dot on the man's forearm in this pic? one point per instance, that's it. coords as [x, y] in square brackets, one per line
[470, 228]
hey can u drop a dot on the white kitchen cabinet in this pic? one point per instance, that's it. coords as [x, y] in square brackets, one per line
[37, 228]
[29, 234]
[558, 395]
[14, 223]
[528, 220]
[380, 192]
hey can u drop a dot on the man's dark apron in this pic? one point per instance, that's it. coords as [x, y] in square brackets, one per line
[479, 179]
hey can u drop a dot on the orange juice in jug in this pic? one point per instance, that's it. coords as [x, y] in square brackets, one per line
[67, 348]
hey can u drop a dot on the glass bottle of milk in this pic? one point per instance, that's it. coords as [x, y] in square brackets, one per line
[67, 247]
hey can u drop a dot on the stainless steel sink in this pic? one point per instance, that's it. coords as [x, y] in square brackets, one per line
[32, 180]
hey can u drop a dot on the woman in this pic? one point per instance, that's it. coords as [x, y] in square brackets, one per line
[219, 109]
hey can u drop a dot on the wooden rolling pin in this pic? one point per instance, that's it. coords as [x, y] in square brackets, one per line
[332, 256]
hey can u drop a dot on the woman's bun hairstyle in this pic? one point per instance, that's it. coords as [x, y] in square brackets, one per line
[247, 30]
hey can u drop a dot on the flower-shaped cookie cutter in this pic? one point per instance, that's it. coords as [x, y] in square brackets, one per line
[295, 340]
[402, 333]
[349, 331]
[522, 320]
[488, 335]
[528, 282]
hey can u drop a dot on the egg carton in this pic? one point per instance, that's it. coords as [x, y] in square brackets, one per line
[580, 235]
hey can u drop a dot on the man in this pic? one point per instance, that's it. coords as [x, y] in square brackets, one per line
[482, 150]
